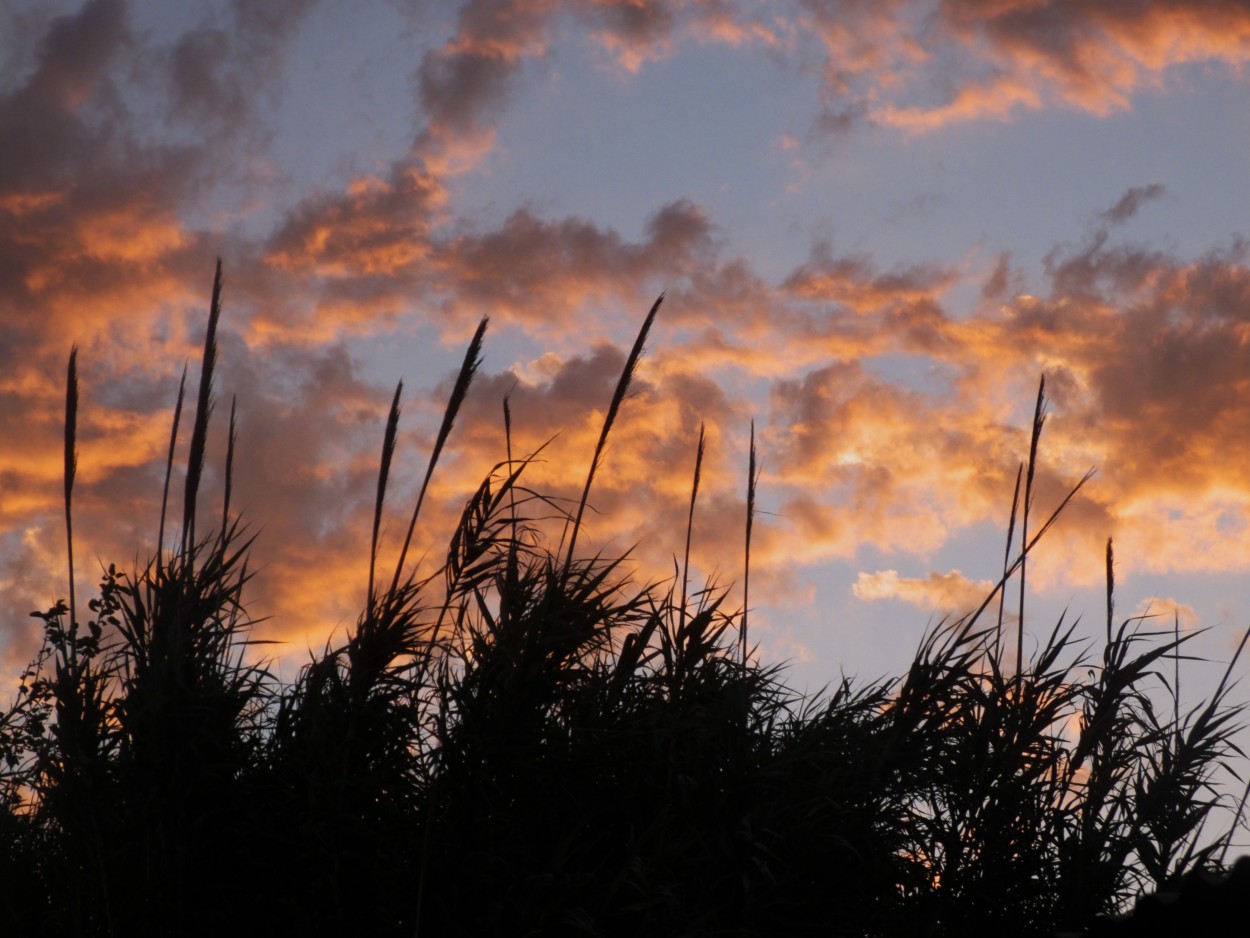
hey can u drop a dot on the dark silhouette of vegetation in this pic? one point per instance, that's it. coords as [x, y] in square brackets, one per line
[1202, 902]
[523, 741]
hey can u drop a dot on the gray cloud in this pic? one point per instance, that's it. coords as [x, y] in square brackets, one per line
[1131, 202]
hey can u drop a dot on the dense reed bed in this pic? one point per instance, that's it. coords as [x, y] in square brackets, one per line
[523, 741]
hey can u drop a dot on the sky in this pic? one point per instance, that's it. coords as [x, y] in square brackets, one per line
[876, 226]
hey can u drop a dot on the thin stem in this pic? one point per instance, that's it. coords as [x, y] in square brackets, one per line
[1011, 530]
[1024, 552]
[71, 469]
[231, 439]
[507, 439]
[752, 480]
[384, 470]
[1110, 590]
[169, 468]
[694, 494]
[1039, 418]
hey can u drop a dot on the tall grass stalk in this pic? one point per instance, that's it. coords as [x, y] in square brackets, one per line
[232, 439]
[169, 466]
[1039, 418]
[618, 398]
[752, 482]
[1011, 530]
[384, 471]
[694, 496]
[472, 360]
[203, 414]
[1111, 591]
[71, 468]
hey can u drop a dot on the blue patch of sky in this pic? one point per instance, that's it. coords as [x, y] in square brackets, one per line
[595, 142]
[348, 101]
[864, 640]
[917, 373]
[1039, 180]
[336, 102]
[589, 141]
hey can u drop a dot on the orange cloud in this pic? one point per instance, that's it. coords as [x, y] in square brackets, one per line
[862, 37]
[379, 226]
[726, 22]
[632, 31]
[997, 98]
[949, 593]
[853, 282]
[531, 268]
[1097, 54]
[920, 68]
[1164, 611]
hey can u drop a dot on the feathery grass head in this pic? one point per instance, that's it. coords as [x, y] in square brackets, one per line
[472, 360]
[618, 398]
[203, 414]
[384, 471]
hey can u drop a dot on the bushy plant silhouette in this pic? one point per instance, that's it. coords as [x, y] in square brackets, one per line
[525, 742]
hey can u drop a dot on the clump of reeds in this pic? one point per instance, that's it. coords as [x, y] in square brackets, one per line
[523, 740]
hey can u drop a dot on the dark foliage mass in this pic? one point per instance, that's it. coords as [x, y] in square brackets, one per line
[525, 742]
[1201, 902]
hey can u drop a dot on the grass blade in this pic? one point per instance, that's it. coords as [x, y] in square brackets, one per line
[1039, 418]
[752, 481]
[694, 494]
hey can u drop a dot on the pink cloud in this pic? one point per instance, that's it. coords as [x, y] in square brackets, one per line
[921, 67]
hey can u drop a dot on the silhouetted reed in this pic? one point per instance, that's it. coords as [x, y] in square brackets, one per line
[524, 740]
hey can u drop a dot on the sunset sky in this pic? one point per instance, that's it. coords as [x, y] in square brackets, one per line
[876, 223]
